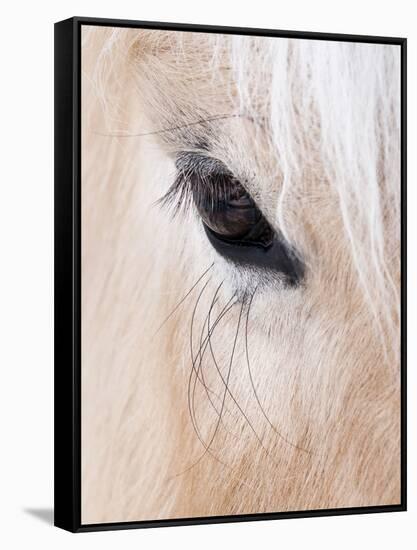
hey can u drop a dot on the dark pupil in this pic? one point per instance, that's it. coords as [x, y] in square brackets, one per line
[231, 213]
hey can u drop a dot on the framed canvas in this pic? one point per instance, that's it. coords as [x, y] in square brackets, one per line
[230, 274]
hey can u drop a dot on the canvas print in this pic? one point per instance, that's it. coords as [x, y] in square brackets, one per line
[240, 274]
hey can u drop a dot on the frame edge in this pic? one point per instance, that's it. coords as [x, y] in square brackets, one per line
[66, 377]
[67, 478]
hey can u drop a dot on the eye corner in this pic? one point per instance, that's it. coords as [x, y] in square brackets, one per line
[276, 257]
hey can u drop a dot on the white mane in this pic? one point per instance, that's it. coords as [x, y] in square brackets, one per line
[347, 96]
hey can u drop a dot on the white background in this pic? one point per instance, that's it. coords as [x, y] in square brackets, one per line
[26, 272]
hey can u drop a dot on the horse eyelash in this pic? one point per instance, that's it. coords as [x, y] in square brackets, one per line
[179, 197]
[199, 179]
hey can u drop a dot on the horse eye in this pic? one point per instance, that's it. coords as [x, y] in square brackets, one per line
[229, 212]
[231, 219]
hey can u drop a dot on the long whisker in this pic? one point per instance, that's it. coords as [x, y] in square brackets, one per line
[253, 385]
[194, 371]
[236, 402]
[228, 376]
[170, 129]
[182, 299]
[193, 420]
[200, 356]
[195, 426]
[207, 339]
[207, 450]
[203, 348]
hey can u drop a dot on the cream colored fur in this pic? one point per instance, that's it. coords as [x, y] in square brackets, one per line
[313, 128]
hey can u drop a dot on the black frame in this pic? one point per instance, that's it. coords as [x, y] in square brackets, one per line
[67, 385]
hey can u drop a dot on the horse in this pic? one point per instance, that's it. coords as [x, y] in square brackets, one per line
[240, 225]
